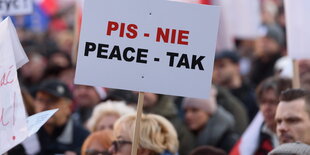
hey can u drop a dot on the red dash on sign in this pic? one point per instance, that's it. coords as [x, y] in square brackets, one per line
[146, 35]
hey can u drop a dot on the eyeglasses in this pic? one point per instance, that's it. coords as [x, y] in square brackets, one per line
[117, 144]
[95, 152]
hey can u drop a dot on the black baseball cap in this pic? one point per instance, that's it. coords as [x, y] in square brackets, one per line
[55, 88]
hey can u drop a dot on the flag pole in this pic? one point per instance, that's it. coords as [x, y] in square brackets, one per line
[136, 138]
[75, 34]
[296, 78]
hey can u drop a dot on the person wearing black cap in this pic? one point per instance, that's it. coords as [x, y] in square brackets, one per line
[60, 134]
[227, 74]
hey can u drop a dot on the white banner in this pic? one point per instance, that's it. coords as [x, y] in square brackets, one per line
[13, 128]
[148, 45]
[297, 25]
[15, 7]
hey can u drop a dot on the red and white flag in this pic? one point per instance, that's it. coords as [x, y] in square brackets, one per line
[248, 142]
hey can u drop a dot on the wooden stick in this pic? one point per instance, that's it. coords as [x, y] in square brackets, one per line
[137, 126]
[296, 78]
[75, 34]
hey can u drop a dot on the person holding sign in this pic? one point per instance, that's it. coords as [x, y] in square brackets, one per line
[60, 134]
[157, 137]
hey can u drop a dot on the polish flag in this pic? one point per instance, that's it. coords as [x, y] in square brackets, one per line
[248, 142]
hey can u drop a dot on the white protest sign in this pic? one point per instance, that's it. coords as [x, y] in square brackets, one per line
[297, 19]
[242, 18]
[13, 128]
[148, 45]
[15, 7]
[36, 121]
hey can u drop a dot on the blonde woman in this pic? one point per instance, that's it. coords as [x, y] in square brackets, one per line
[106, 113]
[157, 136]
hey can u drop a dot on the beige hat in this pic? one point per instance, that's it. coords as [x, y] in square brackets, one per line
[296, 148]
[207, 105]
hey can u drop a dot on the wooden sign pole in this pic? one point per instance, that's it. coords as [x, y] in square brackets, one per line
[76, 32]
[136, 138]
[296, 79]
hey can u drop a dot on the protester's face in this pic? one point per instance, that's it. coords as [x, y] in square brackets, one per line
[224, 70]
[86, 96]
[34, 69]
[268, 105]
[58, 59]
[44, 101]
[67, 76]
[150, 99]
[122, 143]
[106, 122]
[195, 118]
[265, 46]
[293, 122]
[304, 66]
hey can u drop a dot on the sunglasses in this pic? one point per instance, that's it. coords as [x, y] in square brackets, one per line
[95, 152]
[117, 144]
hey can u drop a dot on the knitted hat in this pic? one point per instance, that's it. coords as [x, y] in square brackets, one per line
[204, 104]
[296, 148]
[207, 105]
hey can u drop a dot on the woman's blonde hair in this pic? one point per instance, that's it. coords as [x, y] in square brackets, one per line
[117, 108]
[156, 133]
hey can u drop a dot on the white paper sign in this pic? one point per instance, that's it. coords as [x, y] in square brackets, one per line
[148, 45]
[297, 23]
[36, 121]
[15, 7]
[13, 129]
[240, 18]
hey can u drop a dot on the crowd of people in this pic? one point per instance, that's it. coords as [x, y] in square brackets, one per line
[252, 108]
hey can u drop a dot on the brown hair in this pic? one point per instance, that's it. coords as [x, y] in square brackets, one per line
[278, 84]
[104, 137]
[293, 94]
